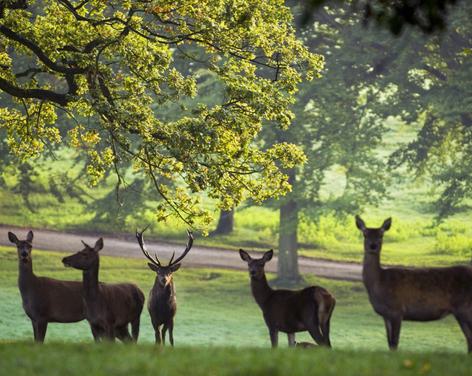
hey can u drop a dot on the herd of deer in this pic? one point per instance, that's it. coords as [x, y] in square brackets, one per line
[396, 294]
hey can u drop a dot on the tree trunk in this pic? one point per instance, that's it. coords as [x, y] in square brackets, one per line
[288, 273]
[225, 223]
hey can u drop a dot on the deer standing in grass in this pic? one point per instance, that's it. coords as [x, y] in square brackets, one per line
[109, 308]
[162, 304]
[45, 299]
[424, 294]
[289, 311]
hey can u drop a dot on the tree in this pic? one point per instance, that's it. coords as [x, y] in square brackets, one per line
[225, 223]
[338, 128]
[110, 68]
[431, 87]
[429, 16]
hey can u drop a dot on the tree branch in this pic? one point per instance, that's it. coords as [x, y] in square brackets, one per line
[10, 34]
[18, 92]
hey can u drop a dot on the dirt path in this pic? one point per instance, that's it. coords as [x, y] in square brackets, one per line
[198, 256]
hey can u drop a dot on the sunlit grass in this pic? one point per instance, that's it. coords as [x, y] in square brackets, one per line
[77, 359]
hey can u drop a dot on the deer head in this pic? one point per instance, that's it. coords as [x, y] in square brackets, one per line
[85, 258]
[256, 266]
[373, 237]
[23, 247]
[164, 272]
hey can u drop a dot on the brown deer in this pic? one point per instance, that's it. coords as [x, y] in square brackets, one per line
[109, 308]
[289, 311]
[425, 294]
[162, 305]
[45, 299]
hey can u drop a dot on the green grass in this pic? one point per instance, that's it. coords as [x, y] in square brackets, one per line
[215, 308]
[107, 359]
[219, 331]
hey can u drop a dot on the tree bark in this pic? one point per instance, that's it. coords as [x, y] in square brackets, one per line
[225, 223]
[288, 273]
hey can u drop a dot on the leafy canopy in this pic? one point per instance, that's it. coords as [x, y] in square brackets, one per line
[110, 67]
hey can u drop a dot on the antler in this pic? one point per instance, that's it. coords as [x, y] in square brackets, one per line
[187, 249]
[139, 236]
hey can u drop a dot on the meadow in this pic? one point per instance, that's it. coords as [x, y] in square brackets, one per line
[219, 330]
[215, 308]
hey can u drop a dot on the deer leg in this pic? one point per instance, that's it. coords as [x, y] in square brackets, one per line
[274, 337]
[96, 332]
[325, 319]
[393, 332]
[291, 339]
[135, 329]
[164, 331]
[39, 329]
[157, 333]
[110, 333]
[171, 332]
[315, 333]
[396, 326]
[466, 326]
[310, 319]
[35, 330]
[123, 334]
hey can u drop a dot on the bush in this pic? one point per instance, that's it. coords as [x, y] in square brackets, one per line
[453, 243]
[327, 231]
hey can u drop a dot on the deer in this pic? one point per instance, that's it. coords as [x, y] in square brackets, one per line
[423, 294]
[45, 299]
[109, 308]
[288, 311]
[162, 305]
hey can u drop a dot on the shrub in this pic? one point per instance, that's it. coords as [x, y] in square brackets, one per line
[453, 243]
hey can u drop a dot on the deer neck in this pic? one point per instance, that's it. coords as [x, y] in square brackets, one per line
[90, 281]
[167, 290]
[261, 290]
[26, 276]
[371, 267]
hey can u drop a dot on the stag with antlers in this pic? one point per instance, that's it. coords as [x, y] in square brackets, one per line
[162, 304]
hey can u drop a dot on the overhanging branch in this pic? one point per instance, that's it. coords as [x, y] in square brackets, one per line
[10, 34]
[18, 92]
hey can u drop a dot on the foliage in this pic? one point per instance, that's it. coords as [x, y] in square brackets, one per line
[429, 16]
[109, 68]
[337, 124]
[338, 128]
[431, 87]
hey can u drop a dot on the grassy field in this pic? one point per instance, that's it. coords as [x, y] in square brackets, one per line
[75, 359]
[215, 308]
[219, 331]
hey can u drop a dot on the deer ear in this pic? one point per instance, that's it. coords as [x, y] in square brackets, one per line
[268, 255]
[29, 237]
[98, 245]
[387, 224]
[360, 223]
[12, 237]
[175, 267]
[153, 267]
[244, 255]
